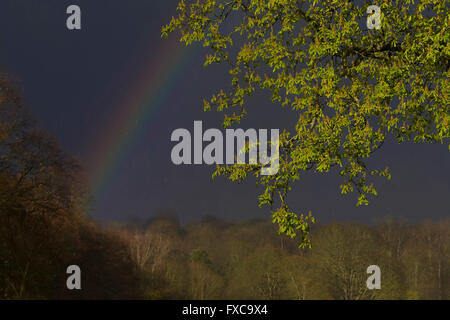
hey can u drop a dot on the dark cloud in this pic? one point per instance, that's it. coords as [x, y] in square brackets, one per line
[72, 80]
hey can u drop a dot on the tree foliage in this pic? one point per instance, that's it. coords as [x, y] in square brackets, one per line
[43, 228]
[350, 87]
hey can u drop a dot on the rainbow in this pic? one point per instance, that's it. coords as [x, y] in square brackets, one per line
[144, 96]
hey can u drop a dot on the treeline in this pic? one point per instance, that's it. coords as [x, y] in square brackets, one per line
[43, 226]
[249, 260]
[44, 229]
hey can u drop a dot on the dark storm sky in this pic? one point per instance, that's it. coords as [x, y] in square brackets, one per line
[72, 80]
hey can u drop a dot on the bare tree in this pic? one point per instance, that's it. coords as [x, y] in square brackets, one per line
[148, 249]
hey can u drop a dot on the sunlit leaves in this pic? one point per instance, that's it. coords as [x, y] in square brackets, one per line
[348, 86]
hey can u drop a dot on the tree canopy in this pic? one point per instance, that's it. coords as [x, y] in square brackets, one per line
[351, 87]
